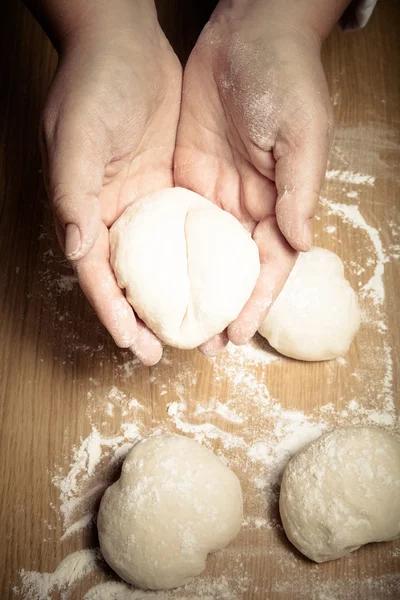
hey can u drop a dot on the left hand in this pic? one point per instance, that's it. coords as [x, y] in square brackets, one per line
[108, 134]
[253, 137]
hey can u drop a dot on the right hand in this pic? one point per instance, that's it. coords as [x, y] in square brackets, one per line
[107, 138]
[254, 134]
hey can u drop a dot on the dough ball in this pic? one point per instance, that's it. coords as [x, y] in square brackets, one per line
[187, 266]
[316, 315]
[342, 491]
[174, 503]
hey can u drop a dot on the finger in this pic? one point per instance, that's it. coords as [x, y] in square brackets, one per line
[147, 346]
[214, 346]
[74, 169]
[98, 283]
[277, 258]
[300, 170]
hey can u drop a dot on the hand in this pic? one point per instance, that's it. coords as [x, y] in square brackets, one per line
[253, 137]
[107, 137]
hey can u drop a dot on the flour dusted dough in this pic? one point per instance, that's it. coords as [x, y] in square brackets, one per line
[316, 315]
[174, 503]
[187, 266]
[341, 492]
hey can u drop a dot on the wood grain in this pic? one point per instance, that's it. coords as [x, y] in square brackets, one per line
[55, 360]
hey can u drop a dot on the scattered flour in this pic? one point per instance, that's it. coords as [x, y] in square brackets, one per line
[82, 523]
[219, 588]
[394, 248]
[385, 587]
[79, 488]
[350, 213]
[330, 229]
[221, 409]
[251, 431]
[204, 431]
[350, 177]
[39, 586]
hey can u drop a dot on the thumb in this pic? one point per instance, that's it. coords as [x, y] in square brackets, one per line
[299, 175]
[73, 171]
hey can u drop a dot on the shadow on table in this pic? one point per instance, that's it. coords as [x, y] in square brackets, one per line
[45, 316]
[274, 518]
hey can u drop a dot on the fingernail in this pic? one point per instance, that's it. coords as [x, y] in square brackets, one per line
[308, 233]
[73, 240]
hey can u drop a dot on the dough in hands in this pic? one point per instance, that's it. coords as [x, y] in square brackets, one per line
[342, 491]
[174, 503]
[187, 266]
[316, 315]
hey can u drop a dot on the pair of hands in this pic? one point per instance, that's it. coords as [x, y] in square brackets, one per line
[247, 126]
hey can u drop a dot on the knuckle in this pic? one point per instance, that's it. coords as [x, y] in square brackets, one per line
[313, 119]
[60, 198]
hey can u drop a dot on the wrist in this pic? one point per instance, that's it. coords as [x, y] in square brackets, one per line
[114, 22]
[314, 19]
[69, 24]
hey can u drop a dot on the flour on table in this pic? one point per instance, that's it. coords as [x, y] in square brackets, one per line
[330, 229]
[351, 214]
[386, 586]
[350, 177]
[72, 569]
[219, 588]
[374, 144]
[252, 431]
[394, 248]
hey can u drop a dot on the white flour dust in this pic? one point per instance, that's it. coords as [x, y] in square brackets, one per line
[219, 588]
[373, 146]
[254, 431]
[351, 214]
[394, 248]
[386, 586]
[350, 177]
[70, 570]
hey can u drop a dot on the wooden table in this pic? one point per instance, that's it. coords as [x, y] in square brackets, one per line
[62, 379]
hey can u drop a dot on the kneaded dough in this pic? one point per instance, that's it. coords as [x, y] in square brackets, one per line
[174, 503]
[316, 315]
[188, 267]
[342, 491]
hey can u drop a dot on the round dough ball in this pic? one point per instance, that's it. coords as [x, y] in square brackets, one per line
[187, 266]
[342, 491]
[174, 503]
[316, 315]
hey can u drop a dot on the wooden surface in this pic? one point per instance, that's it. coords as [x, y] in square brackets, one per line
[57, 365]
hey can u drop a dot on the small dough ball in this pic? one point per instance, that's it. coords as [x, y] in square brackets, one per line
[342, 491]
[187, 266]
[174, 503]
[316, 315]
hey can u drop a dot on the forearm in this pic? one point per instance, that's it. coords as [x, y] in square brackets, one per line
[65, 20]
